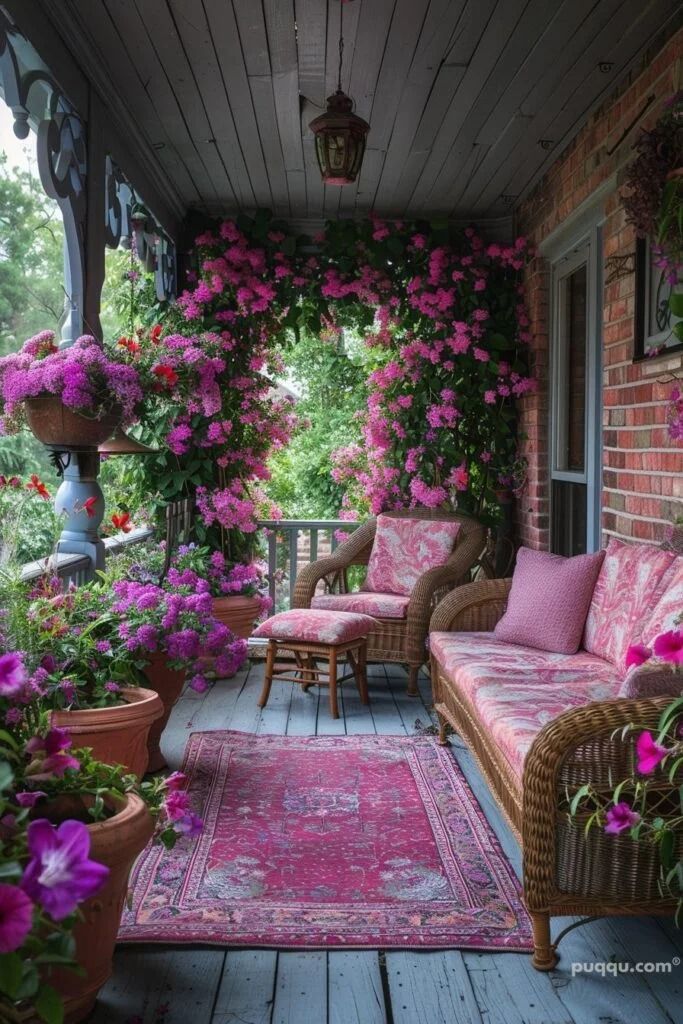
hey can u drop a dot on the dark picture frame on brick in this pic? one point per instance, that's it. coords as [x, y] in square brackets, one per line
[652, 333]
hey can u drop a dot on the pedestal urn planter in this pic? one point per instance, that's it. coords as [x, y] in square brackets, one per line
[115, 842]
[168, 683]
[118, 734]
[238, 613]
[58, 426]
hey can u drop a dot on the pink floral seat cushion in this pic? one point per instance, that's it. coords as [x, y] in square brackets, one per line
[316, 626]
[386, 606]
[404, 549]
[627, 589]
[518, 690]
[669, 607]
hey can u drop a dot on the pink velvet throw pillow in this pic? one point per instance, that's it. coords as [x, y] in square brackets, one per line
[549, 600]
[406, 548]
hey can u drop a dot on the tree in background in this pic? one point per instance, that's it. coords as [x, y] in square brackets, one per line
[330, 375]
[31, 287]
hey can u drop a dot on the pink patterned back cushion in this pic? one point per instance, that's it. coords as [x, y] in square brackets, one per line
[404, 549]
[628, 588]
[549, 600]
[669, 608]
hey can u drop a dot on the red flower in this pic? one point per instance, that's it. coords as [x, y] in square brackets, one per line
[166, 374]
[89, 507]
[155, 334]
[130, 344]
[122, 522]
[37, 485]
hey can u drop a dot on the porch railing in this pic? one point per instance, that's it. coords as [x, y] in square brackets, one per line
[75, 568]
[296, 542]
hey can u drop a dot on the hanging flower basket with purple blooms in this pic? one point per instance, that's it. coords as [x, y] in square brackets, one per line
[72, 396]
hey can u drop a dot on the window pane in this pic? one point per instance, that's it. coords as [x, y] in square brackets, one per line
[568, 532]
[571, 378]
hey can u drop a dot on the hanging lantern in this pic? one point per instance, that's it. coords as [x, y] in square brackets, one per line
[340, 134]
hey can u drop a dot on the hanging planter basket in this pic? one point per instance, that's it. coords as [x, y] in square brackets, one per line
[60, 427]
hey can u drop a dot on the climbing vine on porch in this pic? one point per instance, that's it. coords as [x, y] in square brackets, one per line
[442, 314]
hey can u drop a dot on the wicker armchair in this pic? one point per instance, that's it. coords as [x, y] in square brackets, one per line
[397, 640]
[566, 872]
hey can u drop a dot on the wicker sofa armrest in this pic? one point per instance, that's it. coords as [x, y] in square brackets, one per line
[350, 552]
[563, 866]
[475, 606]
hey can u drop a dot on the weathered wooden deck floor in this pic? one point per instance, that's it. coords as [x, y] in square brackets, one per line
[157, 985]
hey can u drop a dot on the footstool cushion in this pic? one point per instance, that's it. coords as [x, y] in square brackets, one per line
[316, 626]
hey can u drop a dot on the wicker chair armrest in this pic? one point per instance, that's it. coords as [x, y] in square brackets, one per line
[579, 746]
[346, 554]
[475, 606]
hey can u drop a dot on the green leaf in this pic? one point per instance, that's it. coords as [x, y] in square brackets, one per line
[11, 970]
[6, 776]
[49, 1005]
[578, 797]
[678, 330]
[666, 848]
[676, 303]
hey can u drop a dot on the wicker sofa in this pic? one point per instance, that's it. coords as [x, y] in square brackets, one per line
[540, 726]
[400, 637]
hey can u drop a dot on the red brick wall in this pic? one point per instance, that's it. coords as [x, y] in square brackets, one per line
[642, 468]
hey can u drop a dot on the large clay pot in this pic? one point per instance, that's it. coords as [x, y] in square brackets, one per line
[115, 842]
[117, 735]
[237, 613]
[168, 683]
[57, 426]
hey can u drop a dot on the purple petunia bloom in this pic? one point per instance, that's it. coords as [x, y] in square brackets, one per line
[16, 918]
[620, 817]
[13, 674]
[48, 755]
[27, 799]
[60, 874]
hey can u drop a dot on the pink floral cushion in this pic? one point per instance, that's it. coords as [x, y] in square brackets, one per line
[624, 598]
[386, 606]
[404, 549]
[316, 626]
[669, 607]
[518, 690]
[549, 600]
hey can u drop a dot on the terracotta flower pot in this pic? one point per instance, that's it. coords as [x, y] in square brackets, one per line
[168, 683]
[56, 425]
[117, 735]
[115, 842]
[237, 613]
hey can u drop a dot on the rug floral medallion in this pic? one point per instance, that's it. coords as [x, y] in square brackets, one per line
[329, 842]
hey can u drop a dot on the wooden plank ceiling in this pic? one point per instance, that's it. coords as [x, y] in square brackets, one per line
[468, 100]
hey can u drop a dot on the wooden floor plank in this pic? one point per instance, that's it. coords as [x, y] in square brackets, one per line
[247, 987]
[510, 991]
[301, 989]
[146, 981]
[355, 994]
[431, 988]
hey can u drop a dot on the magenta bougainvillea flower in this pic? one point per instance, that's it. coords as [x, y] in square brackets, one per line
[49, 757]
[60, 874]
[650, 753]
[620, 817]
[13, 674]
[16, 918]
[669, 646]
[637, 654]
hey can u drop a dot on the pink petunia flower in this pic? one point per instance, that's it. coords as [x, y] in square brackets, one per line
[650, 753]
[637, 654]
[176, 780]
[669, 646]
[13, 674]
[60, 874]
[620, 817]
[16, 918]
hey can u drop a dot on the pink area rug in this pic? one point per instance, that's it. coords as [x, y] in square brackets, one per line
[329, 842]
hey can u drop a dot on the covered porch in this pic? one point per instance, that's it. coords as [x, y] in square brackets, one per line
[155, 121]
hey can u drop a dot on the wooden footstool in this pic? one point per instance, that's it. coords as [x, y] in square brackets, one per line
[315, 636]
